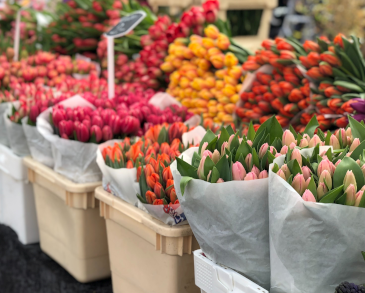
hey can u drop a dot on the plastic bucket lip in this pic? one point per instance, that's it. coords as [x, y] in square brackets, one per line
[141, 216]
[11, 164]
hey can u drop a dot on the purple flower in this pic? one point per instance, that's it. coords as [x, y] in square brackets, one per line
[359, 106]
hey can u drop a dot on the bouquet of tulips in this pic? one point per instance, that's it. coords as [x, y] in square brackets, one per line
[226, 178]
[315, 204]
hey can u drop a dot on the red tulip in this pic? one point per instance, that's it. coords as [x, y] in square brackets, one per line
[96, 131]
[97, 120]
[315, 73]
[107, 133]
[33, 114]
[82, 133]
[129, 125]
[58, 116]
[311, 46]
[330, 58]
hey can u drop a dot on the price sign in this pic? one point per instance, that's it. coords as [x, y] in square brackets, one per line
[125, 26]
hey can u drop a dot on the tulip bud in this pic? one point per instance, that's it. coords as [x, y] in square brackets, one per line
[363, 188]
[303, 143]
[129, 125]
[342, 133]
[358, 197]
[57, 116]
[207, 153]
[286, 170]
[349, 180]
[299, 183]
[250, 176]
[296, 155]
[263, 150]
[82, 133]
[230, 141]
[326, 176]
[314, 141]
[107, 133]
[263, 174]
[255, 170]
[350, 192]
[334, 142]
[96, 131]
[204, 146]
[216, 156]
[349, 132]
[325, 165]
[159, 191]
[238, 171]
[354, 144]
[307, 137]
[281, 174]
[288, 138]
[321, 190]
[248, 161]
[223, 148]
[292, 145]
[284, 150]
[306, 172]
[273, 150]
[220, 180]
[358, 162]
[150, 197]
[201, 169]
[249, 142]
[33, 114]
[97, 120]
[308, 196]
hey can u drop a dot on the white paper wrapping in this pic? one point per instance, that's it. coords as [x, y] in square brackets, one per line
[313, 246]
[3, 135]
[16, 137]
[169, 214]
[120, 182]
[39, 147]
[72, 159]
[230, 221]
[193, 136]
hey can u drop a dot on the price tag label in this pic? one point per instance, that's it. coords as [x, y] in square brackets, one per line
[126, 24]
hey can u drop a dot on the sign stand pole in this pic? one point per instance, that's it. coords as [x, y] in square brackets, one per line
[17, 36]
[111, 78]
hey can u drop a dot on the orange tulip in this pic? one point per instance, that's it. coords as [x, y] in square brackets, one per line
[150, 197]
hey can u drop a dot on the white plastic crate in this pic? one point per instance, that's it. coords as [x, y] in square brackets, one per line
[213, 278]
[17, 206]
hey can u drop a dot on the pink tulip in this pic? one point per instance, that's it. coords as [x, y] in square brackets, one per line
[230, 141]
[255, 170]
[326, 176]
[204, 146]
[321, 190]
[349, 154]
[207, 153]
[292, 145]
[250, 176]
[350, 195]
[64, 136]
[263, 174]
[296, 155]
[220, 180]
[278, 155]
[341, 133]
[363, 188]
[263, 150]
[358, 198]
[273, 150]
[107, 133]
[363, 169]
[248, 161]
[209, 174]
[284, 150]
[96, 131]
[87, 123]
[97, 120]
[349, 180]
[238, 171]
[325, 165]
[286, 170]
[288, 138]
[308, 196]
[130, 125]
[303, 143]
[299, 183]
[216, 156]
[33, 114]
[57, 116]
[358, 162]
[249, 142]
[307, 137]
[349, 132]
[82, 133]
[201, 168]
[354, 144]
[306, 172]
[334, 142]
[281, 174]
[314, 141]
[223, 148]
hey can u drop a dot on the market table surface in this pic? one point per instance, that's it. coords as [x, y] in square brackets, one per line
[26, 269]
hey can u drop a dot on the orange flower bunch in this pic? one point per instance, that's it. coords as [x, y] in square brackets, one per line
[204, 77]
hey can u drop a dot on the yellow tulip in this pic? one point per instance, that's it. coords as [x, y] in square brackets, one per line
[238, 87]
[219, 84]
[230, 80]
[229, 90]
[188, 54]
[214, 51]
[211, 31]
[217, 120]
[204, 64]
[208, 43]
[186, 102]
[227, 118]
[195, 38]
[235, 98]
[223, 42]
[217, 61]
[167, 67]
[221, 73]
[184, 82]
[200, 103]
[205, 94]
[230, 108]
[197, 84]
[224, 100]
[210, 82]
[176, 62]
[235, 72]
[220, 107]
[230, 60]
[206, 115]
[212, 103]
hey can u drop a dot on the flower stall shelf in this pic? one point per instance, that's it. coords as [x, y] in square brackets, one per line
[17, 208]
[141, 247]
[213, 278]
[174, 6]
[71, 231]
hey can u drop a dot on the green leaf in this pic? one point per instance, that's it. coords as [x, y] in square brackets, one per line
[346, 164]
[321, 134]
[265, 127]
[195, 160]
[342, 155]
[290, 179]
[163, 136]
[276, 168]
[352, 49]
[276, 131]
[311, 126]
[347, 64]
[263, 162]
[258, 138]
[208, 137]
[358, 131]
[362, 202]
[277, 144]
[230, 130]
[208, 166]
[332, 195]
[358, 151]
[255, 159]
[215, 175]
[341, 199]
[184, 181]
[223, 168]
[329, 154]
[243, 149]
[312, 188]
[241, 159]
[319, 159]
[315, 154]
[186, 169]
[294, 167]
[349, 85]
[270, 158]
[328, 138]
[235, 142]
[141, 199]
[251, 132]
[211, 146]
[143, 184]
[222, 138]
[322, 44]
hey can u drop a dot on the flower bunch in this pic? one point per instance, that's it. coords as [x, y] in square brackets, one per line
[227, 157]
[129, 155]
[329, 176]
[205, 75]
